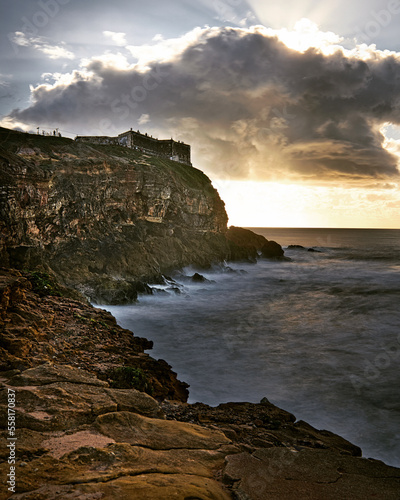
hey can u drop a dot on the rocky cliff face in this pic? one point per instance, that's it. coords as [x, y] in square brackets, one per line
[104, 217]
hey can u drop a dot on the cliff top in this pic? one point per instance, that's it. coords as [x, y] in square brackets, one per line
[40, 149]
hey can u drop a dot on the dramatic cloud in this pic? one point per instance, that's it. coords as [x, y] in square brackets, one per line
[42, 45]
[252, 106]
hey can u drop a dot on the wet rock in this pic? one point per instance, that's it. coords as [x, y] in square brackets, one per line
[296, 247]
[272, 249]
[282, 474]
[198, 278]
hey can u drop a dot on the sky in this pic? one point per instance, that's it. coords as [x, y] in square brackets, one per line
[292, 108]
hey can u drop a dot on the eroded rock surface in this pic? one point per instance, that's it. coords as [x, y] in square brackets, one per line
[105, 219]
[80, 437]
[75, 439]
[36, 328]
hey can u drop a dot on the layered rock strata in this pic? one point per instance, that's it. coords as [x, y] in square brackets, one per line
[107, 220]
[104, 217]
[40, 326]
[82, 434]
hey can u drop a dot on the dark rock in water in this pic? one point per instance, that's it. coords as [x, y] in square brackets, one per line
[198, 278]
[160, 291]
[110, 291]
[294, 247]
[143, 288]
[245, 237]
[246, 245]
[300, 247]
[272, 249]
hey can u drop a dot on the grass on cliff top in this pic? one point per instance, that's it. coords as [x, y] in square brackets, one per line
[12, 140]
[193, 178]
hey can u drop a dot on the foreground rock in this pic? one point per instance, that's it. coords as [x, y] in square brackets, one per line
[36, 328]
[87, 429]
[79, 438]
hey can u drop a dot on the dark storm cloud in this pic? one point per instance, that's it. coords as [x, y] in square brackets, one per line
[251, 107]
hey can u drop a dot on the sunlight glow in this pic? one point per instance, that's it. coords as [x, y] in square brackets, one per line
[273, 204]
[306, 34]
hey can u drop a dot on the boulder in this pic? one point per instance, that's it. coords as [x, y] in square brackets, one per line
[282, 474]
[198, 278]
[272, 249]
[157, 434]
[246, 245]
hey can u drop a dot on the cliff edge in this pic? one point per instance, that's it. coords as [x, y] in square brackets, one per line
[104, 218]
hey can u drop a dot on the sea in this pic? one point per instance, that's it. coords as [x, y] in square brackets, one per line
[317, 335]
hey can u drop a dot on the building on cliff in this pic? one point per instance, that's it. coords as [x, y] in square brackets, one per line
[167, 148]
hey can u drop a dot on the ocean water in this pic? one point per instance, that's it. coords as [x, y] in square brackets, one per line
[318, 335]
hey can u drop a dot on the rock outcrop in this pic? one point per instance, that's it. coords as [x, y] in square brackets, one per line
[107, 220]
[37, 329]
[247, 245]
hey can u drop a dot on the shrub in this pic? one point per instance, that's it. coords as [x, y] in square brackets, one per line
[129, 377]
[44, 284]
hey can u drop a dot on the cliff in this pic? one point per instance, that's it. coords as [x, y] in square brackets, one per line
[104, 218]
[93, 419]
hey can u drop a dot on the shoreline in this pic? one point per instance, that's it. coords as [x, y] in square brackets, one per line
[68, 419]
[155, 319]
